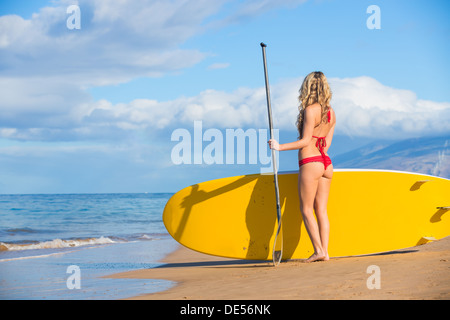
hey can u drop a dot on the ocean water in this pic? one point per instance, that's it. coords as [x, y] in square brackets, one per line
[62, 247]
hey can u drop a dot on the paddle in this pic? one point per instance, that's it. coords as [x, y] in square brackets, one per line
[278, 242]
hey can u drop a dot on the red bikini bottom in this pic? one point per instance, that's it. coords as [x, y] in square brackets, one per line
[324, 159]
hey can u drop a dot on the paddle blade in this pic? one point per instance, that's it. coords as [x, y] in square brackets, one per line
[278, 245]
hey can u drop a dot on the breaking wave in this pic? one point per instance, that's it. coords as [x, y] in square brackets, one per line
[55, 244]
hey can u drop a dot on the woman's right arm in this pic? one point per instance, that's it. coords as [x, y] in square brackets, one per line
[308, 129]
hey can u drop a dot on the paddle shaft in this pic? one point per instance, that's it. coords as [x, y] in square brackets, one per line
[274, 161]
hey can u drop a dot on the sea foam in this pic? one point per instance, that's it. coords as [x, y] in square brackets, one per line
[54, 244]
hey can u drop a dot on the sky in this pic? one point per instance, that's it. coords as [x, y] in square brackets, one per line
[104, 101]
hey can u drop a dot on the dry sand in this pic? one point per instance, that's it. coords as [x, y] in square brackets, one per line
[421, 272]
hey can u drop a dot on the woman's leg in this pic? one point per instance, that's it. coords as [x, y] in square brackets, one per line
[320, 208]
[308, 183]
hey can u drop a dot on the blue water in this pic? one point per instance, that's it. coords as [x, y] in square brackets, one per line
[41, 236]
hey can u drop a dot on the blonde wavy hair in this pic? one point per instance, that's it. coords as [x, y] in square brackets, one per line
[314, 89]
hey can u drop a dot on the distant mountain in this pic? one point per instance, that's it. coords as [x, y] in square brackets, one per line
[421, 155]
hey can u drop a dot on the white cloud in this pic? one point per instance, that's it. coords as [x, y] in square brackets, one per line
[364, 107]
[118, 40]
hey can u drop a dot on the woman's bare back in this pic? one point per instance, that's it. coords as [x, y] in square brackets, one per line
[321, 129]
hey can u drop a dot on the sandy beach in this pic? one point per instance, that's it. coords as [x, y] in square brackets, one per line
[421, 272]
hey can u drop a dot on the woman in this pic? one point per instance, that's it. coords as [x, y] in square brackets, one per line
[315, 123]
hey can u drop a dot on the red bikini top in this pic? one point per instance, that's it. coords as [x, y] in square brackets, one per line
[321, 141]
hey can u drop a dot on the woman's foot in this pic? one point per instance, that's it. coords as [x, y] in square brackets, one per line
[318, 257]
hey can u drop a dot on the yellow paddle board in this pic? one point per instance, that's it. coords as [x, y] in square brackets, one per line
[370, 211]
